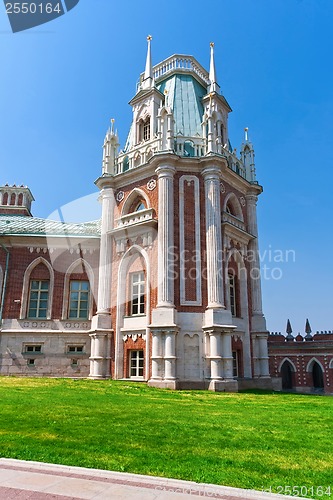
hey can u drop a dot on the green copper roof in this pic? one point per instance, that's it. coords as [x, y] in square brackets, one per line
[32, 226]
[184, 96]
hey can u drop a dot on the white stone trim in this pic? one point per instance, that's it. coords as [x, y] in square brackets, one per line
[198, 292]
[309, 366]
[130, 255]
[25, 287]
[131, 197]
[289, 361]
[68, 273]
[331, 364]
[244, 305]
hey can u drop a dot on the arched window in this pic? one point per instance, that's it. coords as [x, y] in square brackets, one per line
[232, 206]
[5, 199]
[37, 292]
[189, 149]
[13, 199]
[140, 206]
[20, 199]
[78, 300]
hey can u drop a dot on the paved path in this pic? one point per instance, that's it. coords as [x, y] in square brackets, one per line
[21, 480]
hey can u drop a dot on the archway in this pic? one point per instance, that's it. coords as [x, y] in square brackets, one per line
[287, 376]
[317, 376]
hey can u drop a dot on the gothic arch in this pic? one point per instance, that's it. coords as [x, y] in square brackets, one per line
[231, 199]
[310, 364]
[138, 194]
[331, 364]
[88, 269]
[290, 362]
[287, 371]
[128, 258]
[26, 283]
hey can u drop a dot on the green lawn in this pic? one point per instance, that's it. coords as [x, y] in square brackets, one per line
[247, 440]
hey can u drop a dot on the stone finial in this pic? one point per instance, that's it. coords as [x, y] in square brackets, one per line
[289, 330]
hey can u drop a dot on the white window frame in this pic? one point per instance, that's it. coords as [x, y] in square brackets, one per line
[232, 294]
[38, 290]
[138, 279]
[135, 370]
[79, 301]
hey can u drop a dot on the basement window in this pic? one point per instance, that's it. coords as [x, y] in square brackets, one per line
[35, 348]
[75, 349]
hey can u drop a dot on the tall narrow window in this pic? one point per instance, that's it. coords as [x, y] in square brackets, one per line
[232, 294]
[38, 299]
[138, 293]
[146, 130]
[136, 363]
[79, 300]
[235, 363]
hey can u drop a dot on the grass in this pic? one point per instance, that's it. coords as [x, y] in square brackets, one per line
[247, 440]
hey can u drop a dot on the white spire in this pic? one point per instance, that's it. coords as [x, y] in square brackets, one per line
[246, 134]
[148, 78]
[214, 87]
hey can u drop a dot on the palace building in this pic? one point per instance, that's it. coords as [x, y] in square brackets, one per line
[165, 288]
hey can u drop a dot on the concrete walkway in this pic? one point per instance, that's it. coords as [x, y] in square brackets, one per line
[21, 480]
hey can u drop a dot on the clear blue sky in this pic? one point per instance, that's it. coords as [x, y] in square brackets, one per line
[62, 82]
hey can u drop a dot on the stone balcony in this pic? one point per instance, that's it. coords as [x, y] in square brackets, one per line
[234, 221]
[140, 227]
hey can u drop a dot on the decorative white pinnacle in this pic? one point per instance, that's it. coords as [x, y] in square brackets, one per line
[246, 134]
[148, 78]
[214, 87]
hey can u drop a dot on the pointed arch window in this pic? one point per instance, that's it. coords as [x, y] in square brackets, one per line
[78, 300]
[37, 291]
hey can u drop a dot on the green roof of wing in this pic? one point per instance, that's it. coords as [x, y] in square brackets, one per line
[22, 225]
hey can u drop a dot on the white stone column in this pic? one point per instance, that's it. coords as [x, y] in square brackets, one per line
[169, 356]
[213, 237]
[98, 358]
[253, 249]
[227, 356]
[101, 323]
[104, 281]
[263, 356]
[156, 357]
[215, 355]
[165, 237]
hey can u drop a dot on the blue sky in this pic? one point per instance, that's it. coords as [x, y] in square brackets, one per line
[62, 82]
